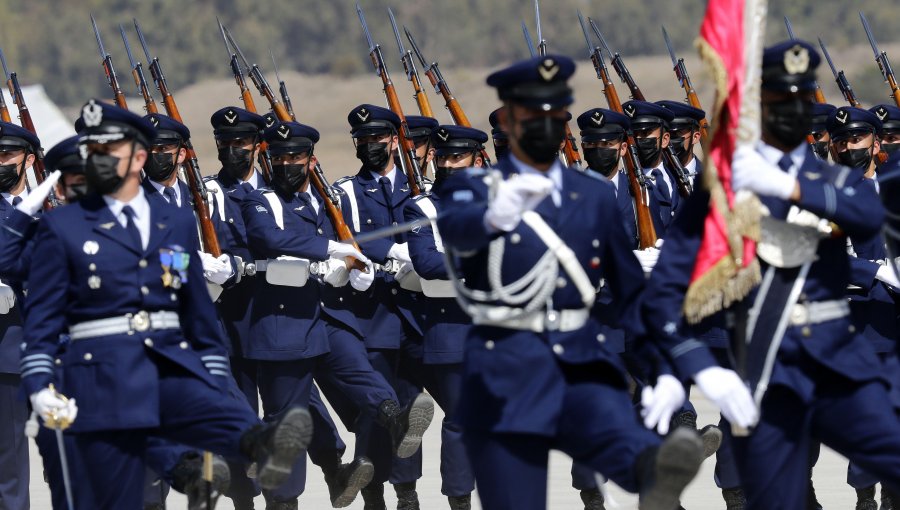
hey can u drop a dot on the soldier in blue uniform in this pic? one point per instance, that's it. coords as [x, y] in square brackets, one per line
[446, 325]
[889, 115]
[684, 135]
[854, 134]
[390, 315]
[166, 155]
[537, 374]
[824, 381]
[819, 130]
[145, 351]
[420, 129]
[498, 137]
[300, 322]
[649, 121]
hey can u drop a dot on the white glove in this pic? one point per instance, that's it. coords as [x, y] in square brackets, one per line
[344, 250]
[515, 196]
[888, 276]
[7, 298]
[751, 171]
[31, 204]
[399, 251]
[647, 258]
[49, 406]
[659, 403]
[362, 281]
[726, 389]
[405, 268]
[216, 269]
[336, 273]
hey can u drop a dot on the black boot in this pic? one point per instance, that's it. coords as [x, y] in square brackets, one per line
[664, 472]
[407, 497]
[734, 499]
[712, 437]
[282, 505]
[345, 482]
[275, 447]
[686, 419]
[865, 499]
[187, 478]
[460, 502]
[887, 499]
[592, 499]
[407, 425]
[812, 503]
[373, 497]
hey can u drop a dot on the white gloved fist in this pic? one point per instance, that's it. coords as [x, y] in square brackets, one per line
[515, 196]
[343, 250]
[647, 258]
[31, 204]
[726, 389]
[750, 171]
[399, 251]
[659, 403]
[7, 298]
[362, 281]
[49, 406]
[888, 276]
[216, 269]
[336, 273]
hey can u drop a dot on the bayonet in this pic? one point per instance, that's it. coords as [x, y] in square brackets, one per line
[884, 65]
[594, 52]
[542, 44]
[108, 69]
[259, 80]
[3, 61]
[415, 47]
[684, 79]
[103, 53]
[671, 48]
[403, 51]
[137, 72]
[282, 88]
[790, 28]
[528, 40]
[412, 74]
[840, 78]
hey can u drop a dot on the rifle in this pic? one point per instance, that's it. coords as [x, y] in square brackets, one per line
[637, 183]
[672, 161]
[137, 72]
[820, 96]
[840, 78]
[570, 149]
[282, 88]
[884, 65]
[12, 82]
[685, 80]
[317, 177]
[408, 153]
[440, 86]
[412, 74]
[4, 111]
[108, 69]
[265, 161]
[199, 195]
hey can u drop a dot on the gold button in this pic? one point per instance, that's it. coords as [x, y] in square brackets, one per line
[806, 331]
[183, 345]
[88, 356]
[142, 263]
[148, 342]
[92, 266]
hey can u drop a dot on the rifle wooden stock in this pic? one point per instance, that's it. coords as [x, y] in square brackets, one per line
[407, 147]
[895, 90]
[453, 106]
[694, 101]
[118, 95]
[149, 103]
[4, 110]
[421, 98]
[820, 96]
[646, 231]
[27, 122]
[570, 150]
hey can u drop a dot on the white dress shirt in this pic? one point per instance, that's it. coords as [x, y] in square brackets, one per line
[391, 175]
[160, 187]
[773, 155]
[141, 209]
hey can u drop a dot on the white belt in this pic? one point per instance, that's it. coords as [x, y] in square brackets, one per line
[551, 320]
[819, 311]
[128, 323]
[260, 266]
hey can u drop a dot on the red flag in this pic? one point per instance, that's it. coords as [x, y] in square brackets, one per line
[725, 269]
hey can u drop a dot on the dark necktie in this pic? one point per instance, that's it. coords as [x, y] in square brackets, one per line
[785, 163]
[661, 184]
[307, 202]
[169, 192]
[248, 188]
[16, 200]
[131, 228]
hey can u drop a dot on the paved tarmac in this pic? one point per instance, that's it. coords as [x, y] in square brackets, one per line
[829, 479]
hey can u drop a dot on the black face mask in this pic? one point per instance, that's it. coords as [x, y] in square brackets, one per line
[101, 171]
[9, 176]
[648, 150]
[235, 161]
[602, 159]
[442, 173]
[856, 158]
[681, 152]
[76, 192]
[820, 149]
[160, 166]
[373, 155]
[289, 178]
[541, 138]
[788, 122]
[890, 148]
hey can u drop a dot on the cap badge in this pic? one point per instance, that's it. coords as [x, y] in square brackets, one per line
[841, 116]
[548, 69]
[270, 120]
[154, 121]
[362, 114]
[629, 110]
[597, 118]
[92, 113]
[881, 113]
[83, 151]
[231, 117]
[796, 59]
[284, 131]
[443, 135]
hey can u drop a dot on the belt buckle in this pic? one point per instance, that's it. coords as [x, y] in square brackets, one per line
[140, 321]
[799, 314]
[552, 320]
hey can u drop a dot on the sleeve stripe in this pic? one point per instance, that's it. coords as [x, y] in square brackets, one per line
[37, 356]
[219, 372]
[36, 371]
[685, 347]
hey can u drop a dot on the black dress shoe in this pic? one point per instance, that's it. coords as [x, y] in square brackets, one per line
[865, 499]
[187, 478]
[407, 497]
[347, 480]
[275, 447]
[592, 499]
[373, 497]
[460, 502]
[407, 425]
[734, 499]
[671, 468]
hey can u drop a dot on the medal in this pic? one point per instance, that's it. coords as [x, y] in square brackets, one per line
[165, 260]
[180, 261]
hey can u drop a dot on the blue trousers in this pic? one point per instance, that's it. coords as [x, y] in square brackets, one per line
[14, 474]
[445, 386]
[597, 428]
[854, 419]
[326, 444]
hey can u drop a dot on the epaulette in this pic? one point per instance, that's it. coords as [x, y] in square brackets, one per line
[344, 179]
[210, 178]
[475, 171]
[420, 197]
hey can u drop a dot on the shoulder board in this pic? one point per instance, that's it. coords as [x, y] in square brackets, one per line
[476, 171]
[265, 190]
[421, 197]
[210, 178]
[344, 179]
